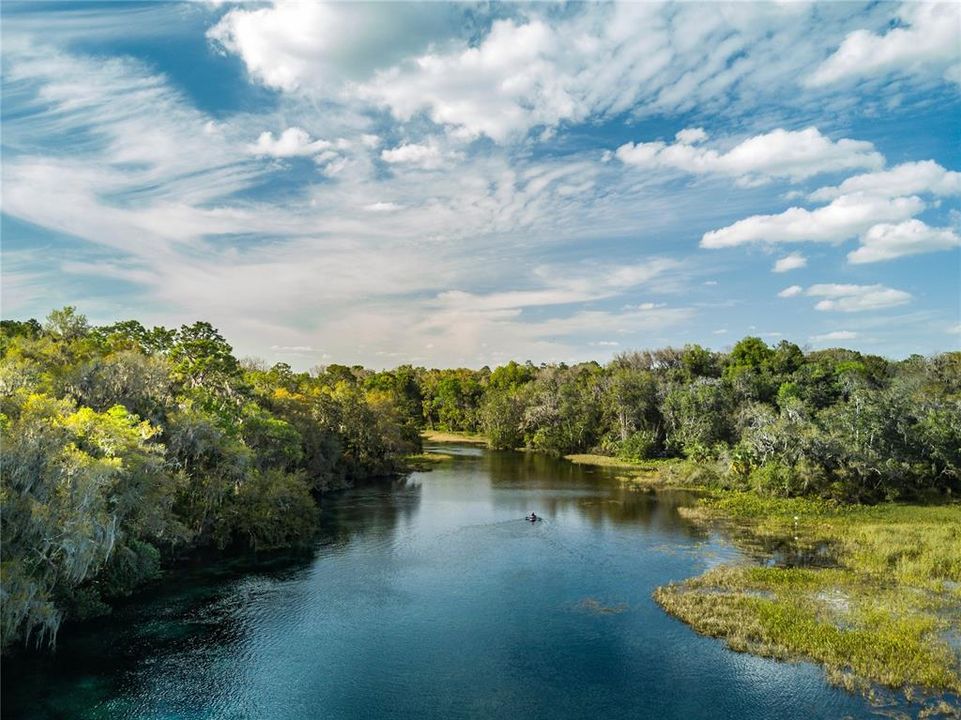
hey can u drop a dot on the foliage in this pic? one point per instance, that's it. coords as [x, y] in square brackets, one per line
[880, 614]
[123, 447]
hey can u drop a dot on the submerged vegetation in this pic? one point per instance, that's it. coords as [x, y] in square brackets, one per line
[125, 447]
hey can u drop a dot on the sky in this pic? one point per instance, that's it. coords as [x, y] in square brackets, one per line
[465, 184]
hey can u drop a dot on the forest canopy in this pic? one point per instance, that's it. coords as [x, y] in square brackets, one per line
[125, 447]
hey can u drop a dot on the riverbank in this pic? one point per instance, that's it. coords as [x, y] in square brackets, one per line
[425, 461]
[872, 593]
[443, 436]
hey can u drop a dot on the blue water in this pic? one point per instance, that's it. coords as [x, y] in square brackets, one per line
[431, 597]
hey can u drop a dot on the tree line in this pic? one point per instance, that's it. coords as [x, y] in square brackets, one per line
[124, 447]
[777, 420]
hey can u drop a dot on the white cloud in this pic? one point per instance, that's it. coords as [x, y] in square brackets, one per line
[383, 207]
[929, 40]
[856, 298]
[161, 188]
[531, 68]
[778, 154]
[844, 218]
[909, 178]
[691, 136]
[912, 237]
[292, 45]
[834, 336]
[293, 142]
[792, 291]
[793, 261]
[567, 285]
[426, 156]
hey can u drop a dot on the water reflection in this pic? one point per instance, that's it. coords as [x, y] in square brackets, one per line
[430, 596]
[596, 494]
[374, 507]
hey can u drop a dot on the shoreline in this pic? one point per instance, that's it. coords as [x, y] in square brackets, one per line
[872, 594]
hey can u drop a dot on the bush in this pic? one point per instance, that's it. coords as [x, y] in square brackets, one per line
[639, 446]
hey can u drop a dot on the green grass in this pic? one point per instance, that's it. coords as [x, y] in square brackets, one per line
[422, 462]
[879, 616]
[603, 461]
[443, 436]
[644, 474]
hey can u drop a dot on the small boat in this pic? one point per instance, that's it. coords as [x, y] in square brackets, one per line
[532, 518]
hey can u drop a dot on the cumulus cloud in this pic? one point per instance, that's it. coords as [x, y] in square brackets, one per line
[887, 241]
[425, 156]
[834, 336]
[909, 178]
[927, 41]
[293, 142]
[793, 261]
[856, 298]
[844, 218]
[531, 68]
[795, 155]
[163, 189]
[292, 45]
[792, 291]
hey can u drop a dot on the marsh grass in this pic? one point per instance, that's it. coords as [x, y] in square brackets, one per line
[422, 462]
[443, 436]
[882, 614]
[642, 475]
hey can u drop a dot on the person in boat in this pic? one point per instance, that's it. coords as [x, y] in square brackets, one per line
[532, 517]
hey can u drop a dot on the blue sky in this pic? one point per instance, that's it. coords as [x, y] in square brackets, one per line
[465, 184]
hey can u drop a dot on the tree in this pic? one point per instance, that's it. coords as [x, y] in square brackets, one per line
[76, 485]
[502, 417]
[66, 324]
[202, 358]
[698, 415]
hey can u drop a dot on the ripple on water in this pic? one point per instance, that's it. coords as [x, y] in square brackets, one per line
[436, 599]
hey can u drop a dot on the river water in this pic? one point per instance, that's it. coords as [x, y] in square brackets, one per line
[432, 597]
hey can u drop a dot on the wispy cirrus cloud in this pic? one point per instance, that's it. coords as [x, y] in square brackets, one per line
[429, 186]
[842, 297]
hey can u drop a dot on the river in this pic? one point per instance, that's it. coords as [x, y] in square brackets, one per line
[432, 597]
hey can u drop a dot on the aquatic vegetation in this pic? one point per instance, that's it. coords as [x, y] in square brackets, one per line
[882, 614]
[444, 436]
[425, 461]
[596, 607]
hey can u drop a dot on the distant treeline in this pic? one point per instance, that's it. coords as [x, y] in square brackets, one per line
[123, 446]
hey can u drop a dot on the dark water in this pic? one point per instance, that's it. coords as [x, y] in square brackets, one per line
[433, 598]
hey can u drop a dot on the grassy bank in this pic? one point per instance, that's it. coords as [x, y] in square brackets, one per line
[443, 436]
[425, 461]
[876, 598]
[608, 461]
